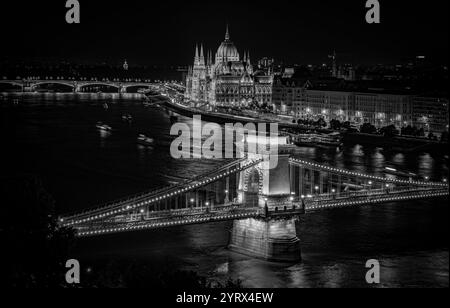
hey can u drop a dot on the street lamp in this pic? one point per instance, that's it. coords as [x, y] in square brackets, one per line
[333, 192]
[266, 208]
[227, 197]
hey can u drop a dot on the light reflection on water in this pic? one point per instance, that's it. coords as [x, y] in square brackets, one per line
[55, 137]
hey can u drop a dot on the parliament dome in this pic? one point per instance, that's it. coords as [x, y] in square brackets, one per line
[227, 52]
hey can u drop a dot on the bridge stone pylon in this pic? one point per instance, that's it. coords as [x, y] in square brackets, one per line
[272, 186]
[269, 238]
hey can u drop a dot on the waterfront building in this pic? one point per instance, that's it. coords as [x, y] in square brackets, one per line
[287, 96]
[227, 79]
[344, 101]
[430, 113]
[327, 104]
[381, 109]
[378, 109]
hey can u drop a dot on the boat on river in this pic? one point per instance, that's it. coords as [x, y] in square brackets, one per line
[127, 117]
[103, 127]
[144, 140]
[394, 171]
[318, 139]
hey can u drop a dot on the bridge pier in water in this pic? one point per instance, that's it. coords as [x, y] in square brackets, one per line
[269, 237]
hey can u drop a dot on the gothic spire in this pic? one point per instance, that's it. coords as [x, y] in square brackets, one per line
[202, 57]
[196, 54]
[227, 34]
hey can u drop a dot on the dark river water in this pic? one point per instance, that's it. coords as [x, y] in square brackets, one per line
[54, 136]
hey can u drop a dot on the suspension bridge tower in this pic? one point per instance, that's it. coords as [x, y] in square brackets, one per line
[268, 237]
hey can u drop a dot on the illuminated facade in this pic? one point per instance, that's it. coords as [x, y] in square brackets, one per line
[300, 100]
[431, 113]
[227, 79]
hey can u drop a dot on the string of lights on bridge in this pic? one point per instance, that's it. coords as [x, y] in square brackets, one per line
[362, 175]
[91, 217]
[253, 214]
[169, 223]
[74, 221]
[377, 200]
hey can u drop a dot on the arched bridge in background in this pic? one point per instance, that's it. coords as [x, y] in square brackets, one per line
[77, 86]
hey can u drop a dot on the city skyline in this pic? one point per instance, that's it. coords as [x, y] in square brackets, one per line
[165, 34]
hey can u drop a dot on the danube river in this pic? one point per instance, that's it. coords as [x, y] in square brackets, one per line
[54, 136]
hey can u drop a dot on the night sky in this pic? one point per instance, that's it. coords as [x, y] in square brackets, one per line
[165, 33]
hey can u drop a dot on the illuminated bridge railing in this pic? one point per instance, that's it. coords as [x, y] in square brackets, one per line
[137, 201]
[373, 192]
[354, 174]
[231, 212]
[162, 214]
[373, 197]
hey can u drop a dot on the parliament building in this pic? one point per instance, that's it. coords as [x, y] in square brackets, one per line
[227, 79]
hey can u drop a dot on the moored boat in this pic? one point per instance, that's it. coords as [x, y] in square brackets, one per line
[318, 139]
[103, 127]
[127, 118]
[144, 140]
[395, 171]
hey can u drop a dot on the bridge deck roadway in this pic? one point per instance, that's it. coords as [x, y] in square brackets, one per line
[164, 219]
